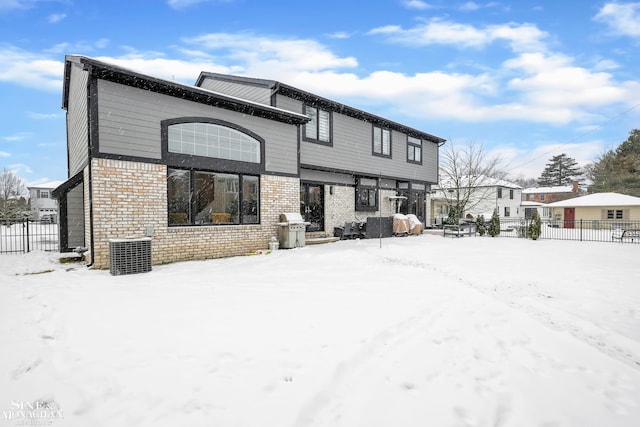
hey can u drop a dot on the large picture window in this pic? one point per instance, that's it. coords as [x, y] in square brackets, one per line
[212, 140]
[381, 142]
[318, 129]
[205, 198]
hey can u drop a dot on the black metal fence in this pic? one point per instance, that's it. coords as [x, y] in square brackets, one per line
[604, 230]
[22, 236]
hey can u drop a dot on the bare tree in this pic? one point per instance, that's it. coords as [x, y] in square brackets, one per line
[468, 177]
[11, 186]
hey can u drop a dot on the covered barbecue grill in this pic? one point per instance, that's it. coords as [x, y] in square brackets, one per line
[291, 229]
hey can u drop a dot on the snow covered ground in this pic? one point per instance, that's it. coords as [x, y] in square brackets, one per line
[424, 331]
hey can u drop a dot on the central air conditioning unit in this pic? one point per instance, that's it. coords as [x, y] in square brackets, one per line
[129, 255]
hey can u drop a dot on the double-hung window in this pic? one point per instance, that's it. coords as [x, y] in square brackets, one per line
[414, 150]
[381, 141]
[318, 129]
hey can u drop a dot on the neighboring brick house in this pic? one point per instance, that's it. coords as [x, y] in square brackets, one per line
[206, 170]
[551, 194]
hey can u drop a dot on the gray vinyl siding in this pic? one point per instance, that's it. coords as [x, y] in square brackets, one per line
[77, 121]
[239, 90]
[129, 125]
[327, 177]
[290, 104]
[75, 217]
[352, 151]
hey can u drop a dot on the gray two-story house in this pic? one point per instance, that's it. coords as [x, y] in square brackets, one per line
[206, 170]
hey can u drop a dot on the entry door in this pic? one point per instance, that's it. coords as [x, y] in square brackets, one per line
[312, 205]
[413, 204]
[569, 217]
[418, 199]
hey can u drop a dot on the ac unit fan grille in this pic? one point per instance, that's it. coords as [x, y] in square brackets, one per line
[129, 256]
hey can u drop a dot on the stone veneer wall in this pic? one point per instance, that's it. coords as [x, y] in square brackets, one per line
[131, 197]
[340, 207]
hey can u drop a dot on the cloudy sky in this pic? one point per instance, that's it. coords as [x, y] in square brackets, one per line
[526, 80]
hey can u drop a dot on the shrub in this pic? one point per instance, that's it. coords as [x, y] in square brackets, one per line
[535, 227]
[494, 224]
[481, 226]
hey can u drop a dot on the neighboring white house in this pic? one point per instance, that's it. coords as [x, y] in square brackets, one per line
[485, 194]
[42, 204]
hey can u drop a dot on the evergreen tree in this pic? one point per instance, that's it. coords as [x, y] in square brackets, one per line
[535, 228]
[560, 170]
[481, 226]
[494, 224]
[454, 215]
[618, 170]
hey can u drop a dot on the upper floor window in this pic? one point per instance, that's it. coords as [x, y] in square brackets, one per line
[511, 194]
[318, 129]
[43, 194]
[381, 141]
[213, 140]
[542, 197]
[499, 193]
[414, 150]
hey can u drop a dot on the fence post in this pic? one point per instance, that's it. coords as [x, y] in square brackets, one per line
[28, 237]
[581, 229]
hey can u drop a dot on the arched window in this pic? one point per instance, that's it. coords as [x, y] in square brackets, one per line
[213, 140]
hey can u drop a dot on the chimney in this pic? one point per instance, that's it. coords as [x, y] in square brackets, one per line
[575, 189]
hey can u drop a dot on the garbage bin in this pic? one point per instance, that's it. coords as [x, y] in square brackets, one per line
[291, 229]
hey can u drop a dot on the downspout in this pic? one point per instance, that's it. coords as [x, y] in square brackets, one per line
[91, 83]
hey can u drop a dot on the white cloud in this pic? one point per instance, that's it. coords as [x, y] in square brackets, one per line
[85, 47]
[15, 4]
[469, 6]
[340, 35]
[530, 162]
[20, 168]
[4, 154]
[20, 136]
[183, 4]
[170, 69]
[553, 81]
[29, 69]
[262, 55]
[7, 5]
[417, 4]
[521, 37]
[42, 116]
[621, 18]
[531, 87]
[56, 17]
